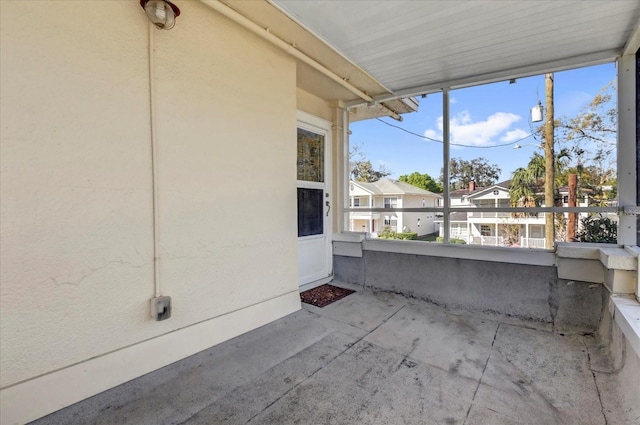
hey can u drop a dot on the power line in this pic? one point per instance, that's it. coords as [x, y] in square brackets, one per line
[455, 144]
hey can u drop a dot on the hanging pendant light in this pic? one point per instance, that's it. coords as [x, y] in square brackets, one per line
[161, 13]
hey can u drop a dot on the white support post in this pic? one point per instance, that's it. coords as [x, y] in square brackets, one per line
[339, 196]
[445, 167]
[627, 232]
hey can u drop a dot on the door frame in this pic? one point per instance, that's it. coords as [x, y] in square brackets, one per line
[320, 126]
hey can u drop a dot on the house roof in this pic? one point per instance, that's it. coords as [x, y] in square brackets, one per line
[393, 187]
[413, 47]
[460, 193]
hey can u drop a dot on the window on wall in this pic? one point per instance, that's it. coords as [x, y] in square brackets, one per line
[391, 202]
[485, 230]
[356, 202]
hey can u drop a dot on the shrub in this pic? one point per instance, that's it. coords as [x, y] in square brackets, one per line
[597, 228]
[387, 233]
[452, 240]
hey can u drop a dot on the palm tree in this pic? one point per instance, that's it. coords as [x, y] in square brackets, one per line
[527, 181]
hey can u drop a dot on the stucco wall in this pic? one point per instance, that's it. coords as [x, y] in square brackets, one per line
[77, 217]
[313, 105]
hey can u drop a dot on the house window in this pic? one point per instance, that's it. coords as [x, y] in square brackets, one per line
[485, 230]
[496, 192]
[356, 202]
[391, 202]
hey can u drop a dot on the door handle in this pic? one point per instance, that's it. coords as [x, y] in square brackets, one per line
[328, 207]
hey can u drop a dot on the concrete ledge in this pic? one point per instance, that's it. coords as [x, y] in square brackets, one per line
[618, 258]
[621, 281]
[30, 400]
[581, 269]
[626, 313]
[585, 251]
[354, 237]
[468, 252]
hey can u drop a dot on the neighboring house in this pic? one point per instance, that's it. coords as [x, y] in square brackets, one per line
[526, 230]
[387, 193]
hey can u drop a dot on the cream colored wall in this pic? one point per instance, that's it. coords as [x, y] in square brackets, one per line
[313, 105]
[76, 214]
[76, 184]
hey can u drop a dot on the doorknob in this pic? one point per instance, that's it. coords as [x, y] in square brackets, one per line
[328, 207]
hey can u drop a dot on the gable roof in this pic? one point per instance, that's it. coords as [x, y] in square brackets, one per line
[461, 193]
[393, 187]
[505, 186]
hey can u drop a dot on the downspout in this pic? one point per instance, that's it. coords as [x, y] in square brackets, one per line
[154, 168]
[265, 34]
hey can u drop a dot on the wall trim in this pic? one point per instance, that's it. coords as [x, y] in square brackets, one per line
[32, 399]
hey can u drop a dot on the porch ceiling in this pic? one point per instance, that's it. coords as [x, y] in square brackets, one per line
[414, 47]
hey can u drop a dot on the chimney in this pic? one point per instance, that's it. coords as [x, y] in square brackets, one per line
[472, 186]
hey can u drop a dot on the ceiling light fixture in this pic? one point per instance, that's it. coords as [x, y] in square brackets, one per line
[161, 13]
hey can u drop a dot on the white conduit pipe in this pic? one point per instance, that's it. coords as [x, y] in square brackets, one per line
[154, 167]
[278, 42]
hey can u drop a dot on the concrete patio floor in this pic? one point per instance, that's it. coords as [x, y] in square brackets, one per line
[372, 358]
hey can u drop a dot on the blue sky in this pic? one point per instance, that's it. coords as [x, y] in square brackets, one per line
[482, 116]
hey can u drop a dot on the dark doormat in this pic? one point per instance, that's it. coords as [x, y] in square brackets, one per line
[324, 295]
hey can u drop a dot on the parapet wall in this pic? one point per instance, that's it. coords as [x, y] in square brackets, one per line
[529, 292]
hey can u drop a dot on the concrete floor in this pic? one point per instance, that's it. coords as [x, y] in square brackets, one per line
[371, 358]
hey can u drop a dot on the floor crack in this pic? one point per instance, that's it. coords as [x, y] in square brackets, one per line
[595, 382]
[495, 335]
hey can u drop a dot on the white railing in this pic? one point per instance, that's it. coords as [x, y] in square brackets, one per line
[363, 215]
[459, 234]
[532, 242]
[489, 214]
[488, 240]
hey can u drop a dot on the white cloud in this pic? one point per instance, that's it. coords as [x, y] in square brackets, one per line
[496, 128]
[513, 135]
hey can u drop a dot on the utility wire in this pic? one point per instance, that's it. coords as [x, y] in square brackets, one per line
[455, 144]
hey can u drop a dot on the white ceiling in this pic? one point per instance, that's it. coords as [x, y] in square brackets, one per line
[413, 47]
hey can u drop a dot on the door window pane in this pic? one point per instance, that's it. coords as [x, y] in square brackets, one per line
[310, 156]
[310, 212]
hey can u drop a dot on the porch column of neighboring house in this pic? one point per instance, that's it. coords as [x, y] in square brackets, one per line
[627, 147]
[526, 235]
[371, 229]
[338, 198]
[495, 205]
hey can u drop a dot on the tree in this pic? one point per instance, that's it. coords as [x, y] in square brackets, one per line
[361, 169]
[592, 137]
[423, 181]
[478, 170]
[528, 182]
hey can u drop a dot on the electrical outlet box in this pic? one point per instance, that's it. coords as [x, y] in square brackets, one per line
[161, 308]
